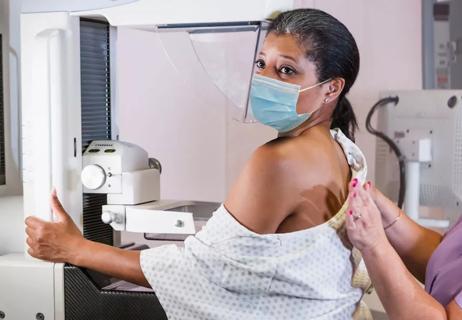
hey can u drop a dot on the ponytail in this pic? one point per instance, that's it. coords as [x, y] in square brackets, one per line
[344, 118]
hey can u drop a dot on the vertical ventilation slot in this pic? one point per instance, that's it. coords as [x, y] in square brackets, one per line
[2, 120]
[96, 114]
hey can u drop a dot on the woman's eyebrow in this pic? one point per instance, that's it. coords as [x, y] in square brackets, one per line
[289, 57]
[262, 53]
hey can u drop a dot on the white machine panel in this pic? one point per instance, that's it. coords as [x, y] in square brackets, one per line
[159, 217]
[51, 136]
[121, 170]
[149, 12]
[159, 221]
[32, 283]
[116, 157]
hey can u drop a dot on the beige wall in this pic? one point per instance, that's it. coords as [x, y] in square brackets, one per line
[389, 35]
[167, 104]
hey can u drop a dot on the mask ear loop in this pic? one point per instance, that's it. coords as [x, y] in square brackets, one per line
[314, 85]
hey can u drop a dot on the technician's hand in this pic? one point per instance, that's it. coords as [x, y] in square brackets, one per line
[363, 221]
[53, 241]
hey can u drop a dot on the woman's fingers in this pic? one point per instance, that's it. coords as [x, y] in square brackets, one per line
[356, 202]
[31, 252]
[362, 194]
[371, 190]
[34, 222]
[357, 207]
[353, 184]
[361, 200]
[30, 242]
[373, 216]
[57, 207]
[30, 233]
[349, 220]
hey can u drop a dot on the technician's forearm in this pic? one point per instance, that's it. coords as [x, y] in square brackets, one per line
[403, 298]
[115, 262]
[414, 243]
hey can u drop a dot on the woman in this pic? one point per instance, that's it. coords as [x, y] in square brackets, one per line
[275, 249]
[396, 249]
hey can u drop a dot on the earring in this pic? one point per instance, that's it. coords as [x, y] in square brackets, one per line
[326, 100]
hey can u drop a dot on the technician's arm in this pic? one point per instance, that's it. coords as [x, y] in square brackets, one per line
[401, 295]
[62, 241]
[414, 243]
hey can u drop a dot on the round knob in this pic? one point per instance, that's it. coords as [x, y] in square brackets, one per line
[93, 177]
[107, 217]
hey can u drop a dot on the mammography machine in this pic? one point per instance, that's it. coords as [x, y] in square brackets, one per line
[69, 141]
[69, 137]
[425, 126]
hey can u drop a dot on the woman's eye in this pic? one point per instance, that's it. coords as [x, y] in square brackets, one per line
[286, 70]
[260, 64]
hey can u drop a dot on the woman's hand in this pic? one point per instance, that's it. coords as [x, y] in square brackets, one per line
[62, 241]
[364, 222]
[53, 241]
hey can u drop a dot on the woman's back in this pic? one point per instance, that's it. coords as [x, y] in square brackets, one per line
[322, 182]
[310, 170]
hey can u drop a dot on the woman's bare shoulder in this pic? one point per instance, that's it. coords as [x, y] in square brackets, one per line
[265, 193]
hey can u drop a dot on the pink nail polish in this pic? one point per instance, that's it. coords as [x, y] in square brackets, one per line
[354, 182]
[350, 212]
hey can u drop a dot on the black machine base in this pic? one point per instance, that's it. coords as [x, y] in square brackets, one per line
[84, 299]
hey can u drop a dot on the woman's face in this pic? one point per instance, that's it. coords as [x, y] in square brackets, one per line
[282, 58]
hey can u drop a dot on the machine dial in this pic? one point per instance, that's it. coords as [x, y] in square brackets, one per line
[93, 177]
[107, 217]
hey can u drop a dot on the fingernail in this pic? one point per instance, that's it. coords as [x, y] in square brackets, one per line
[368, 185]
[350, 212]
[354, 194]
[354, 182]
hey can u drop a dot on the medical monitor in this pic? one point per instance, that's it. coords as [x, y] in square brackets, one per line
[423, 121]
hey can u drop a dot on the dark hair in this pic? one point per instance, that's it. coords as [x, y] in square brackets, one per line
[332, 48]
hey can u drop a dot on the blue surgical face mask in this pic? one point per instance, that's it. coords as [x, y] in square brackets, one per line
[274, 103]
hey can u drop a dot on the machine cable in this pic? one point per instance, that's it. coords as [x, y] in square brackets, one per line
[391, 144]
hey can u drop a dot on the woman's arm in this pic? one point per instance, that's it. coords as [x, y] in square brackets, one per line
[62, 241]
[414, 243]
[401, 295]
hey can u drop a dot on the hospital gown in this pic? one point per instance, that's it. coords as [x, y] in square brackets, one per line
[228, 272]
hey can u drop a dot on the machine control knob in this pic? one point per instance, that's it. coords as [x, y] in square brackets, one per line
[109, 217]
[93, 177]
